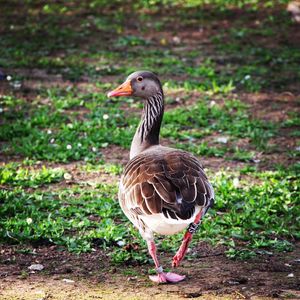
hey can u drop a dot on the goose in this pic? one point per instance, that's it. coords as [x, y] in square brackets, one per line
[162, 190]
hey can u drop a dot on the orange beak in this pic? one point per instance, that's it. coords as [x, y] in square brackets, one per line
[124, 89]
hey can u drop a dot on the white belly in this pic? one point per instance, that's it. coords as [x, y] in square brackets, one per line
[158, 223]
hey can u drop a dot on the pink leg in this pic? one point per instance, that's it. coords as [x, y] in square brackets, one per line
[186, 241]
[161, 276]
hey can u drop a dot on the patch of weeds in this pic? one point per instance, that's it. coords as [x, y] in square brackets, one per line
[260, 216]
[131, 40]
[193, 123]
[248, 169]
[114, 169]
[246, 218]
[241, 154]
[203, 149]
[55, 134]
[240, 253]
[72, 218]
[293, 120]
[14, 174]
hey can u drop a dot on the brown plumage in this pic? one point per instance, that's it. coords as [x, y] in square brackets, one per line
[162, 190]
[154, 181]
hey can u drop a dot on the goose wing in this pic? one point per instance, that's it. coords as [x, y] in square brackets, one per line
[172, 183]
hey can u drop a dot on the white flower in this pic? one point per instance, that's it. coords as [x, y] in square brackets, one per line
[52, 141]
[69, 147]
[79, 145]
[105, 116]
[70, 125]
[49, 131]
[94, 149]
[8, 77]
[212, 103]
[28, 221]
[236, 182]
[120, 243]
[247, 77]
[1, 110]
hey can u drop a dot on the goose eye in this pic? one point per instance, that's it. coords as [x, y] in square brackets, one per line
[140, 78]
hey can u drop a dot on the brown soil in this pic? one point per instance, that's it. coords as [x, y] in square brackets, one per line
[273, 107]
[210, 276]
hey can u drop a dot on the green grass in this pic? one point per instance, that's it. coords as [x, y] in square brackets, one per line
[15, 175]
[247, 217]
[59, 132]
[50, 132]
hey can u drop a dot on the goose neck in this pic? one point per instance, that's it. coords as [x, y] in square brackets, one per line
[147, 133]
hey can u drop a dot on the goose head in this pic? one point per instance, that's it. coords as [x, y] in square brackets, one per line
[142, 84]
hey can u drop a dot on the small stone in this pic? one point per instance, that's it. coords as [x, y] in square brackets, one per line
[255, 159]
[8, 78]
[68, 280]
[291, 275]
[132, 278]
[36, 267]
[297, 148]
[16, 84]
[222, 139]
[233, 282]
[52, 141]
[176, 40]
[67, 176]
[287, 265]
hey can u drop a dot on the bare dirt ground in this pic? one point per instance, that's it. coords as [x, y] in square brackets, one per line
[91, 276]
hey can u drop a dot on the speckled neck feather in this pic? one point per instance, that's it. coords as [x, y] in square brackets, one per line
[147, 133]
